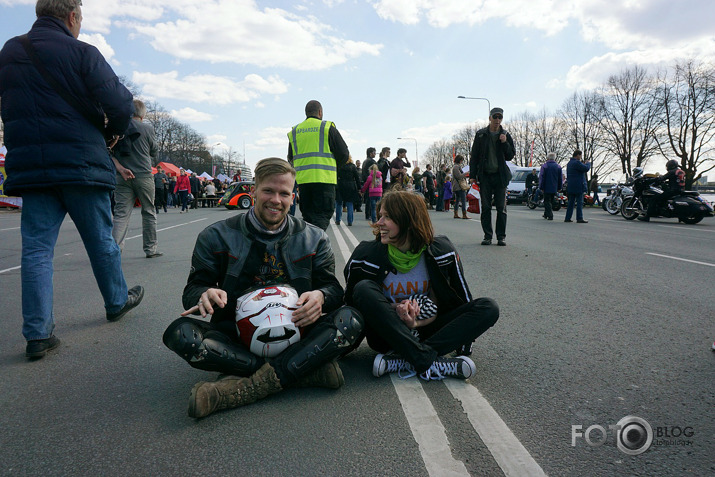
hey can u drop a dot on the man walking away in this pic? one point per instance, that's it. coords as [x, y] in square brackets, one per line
[493, 147]
[133, 157]
[62, 167]
[317, 150]
[551, 179]
[576, 186]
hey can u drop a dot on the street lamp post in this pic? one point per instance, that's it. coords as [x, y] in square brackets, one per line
[212, 155]
[416, 155]
[489, 105]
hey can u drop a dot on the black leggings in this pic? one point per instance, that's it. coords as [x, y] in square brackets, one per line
[385, 330]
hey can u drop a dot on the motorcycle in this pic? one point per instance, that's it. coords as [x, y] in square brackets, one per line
[618, 192]
[687, 206]
[532, 203]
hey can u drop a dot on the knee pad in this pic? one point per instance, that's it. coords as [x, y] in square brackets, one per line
[210, 350]
[349, 325]
[184, 338]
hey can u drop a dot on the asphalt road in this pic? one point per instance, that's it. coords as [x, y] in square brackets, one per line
[598, 321]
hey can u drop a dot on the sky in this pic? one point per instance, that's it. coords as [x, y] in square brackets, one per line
[241, 71]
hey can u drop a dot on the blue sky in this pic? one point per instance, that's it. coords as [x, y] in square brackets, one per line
[241, 71]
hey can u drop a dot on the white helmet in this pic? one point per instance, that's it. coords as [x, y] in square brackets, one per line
[263, 320]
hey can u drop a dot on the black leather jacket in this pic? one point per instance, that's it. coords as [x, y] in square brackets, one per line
[449, 287]
[222, 249]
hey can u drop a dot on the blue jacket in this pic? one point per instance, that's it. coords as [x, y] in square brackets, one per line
[48, 142]
[576, 176]
[551, 177]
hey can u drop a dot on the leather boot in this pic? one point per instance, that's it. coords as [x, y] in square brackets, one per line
[232, 391]
[328, 376]
[465, 216]
[456, 213]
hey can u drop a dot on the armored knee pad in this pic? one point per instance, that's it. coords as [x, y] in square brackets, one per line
[210, 350]
[329, 340]
[349, 325]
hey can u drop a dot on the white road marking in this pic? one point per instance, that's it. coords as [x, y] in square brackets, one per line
[167, 228]
[9, 269]
[681, 259]
[510, 454]
[681, 227]
[342, 245]
[427, 429]
[11, 228]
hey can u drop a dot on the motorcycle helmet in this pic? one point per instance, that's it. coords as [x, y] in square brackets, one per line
[263, 320]
[637, 172]
[671, 164]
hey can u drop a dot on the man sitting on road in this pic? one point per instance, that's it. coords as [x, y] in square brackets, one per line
[262, 247]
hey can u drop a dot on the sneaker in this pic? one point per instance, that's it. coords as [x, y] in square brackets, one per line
[487, 242]
[465, 350]
[154, 255]
[389, 363]
[134, 297]
[460, 367]
[38, 348]
[501, 243]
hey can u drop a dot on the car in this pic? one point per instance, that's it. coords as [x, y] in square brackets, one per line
[239, 195]
[516, 190]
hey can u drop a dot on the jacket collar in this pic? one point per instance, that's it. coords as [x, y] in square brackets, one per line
[51, 23]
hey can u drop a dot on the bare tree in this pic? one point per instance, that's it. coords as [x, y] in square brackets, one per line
[521, 127]
[580, 120]
[549, 136]
[688, 100]
[437, 153]
[462, 140]
[629, 116]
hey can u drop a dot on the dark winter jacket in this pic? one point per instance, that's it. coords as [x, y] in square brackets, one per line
[49, 142]
[505, 152]
[551, 177]
[576, 176]
[449, 288]
[348, 183]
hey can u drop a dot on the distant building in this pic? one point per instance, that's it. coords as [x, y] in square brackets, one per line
[246, 172]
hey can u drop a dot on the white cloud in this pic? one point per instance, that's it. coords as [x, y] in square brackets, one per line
[101, 44]
[237, 31]
[191, 115]
[272, 137]
[208, 88]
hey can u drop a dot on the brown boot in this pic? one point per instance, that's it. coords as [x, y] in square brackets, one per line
[328, 376]
[456, 213]
[465, 216]
[232, 391]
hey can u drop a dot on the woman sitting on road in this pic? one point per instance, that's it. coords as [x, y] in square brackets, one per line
[410, 287]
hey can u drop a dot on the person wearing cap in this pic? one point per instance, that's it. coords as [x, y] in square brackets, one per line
[492, 148]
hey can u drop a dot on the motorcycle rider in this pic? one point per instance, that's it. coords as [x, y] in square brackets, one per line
[531, 180]
[675, 184]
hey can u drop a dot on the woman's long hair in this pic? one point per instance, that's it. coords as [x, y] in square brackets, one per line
[409, 212]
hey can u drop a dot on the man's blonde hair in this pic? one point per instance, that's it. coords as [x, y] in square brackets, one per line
[272, 166]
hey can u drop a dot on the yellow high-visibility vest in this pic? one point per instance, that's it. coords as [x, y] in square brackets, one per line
[312, 159]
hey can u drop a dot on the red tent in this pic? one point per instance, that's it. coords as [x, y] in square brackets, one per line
[169, 168]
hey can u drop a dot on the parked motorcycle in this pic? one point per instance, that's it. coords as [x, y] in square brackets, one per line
[532, 203]
[687, 206]
[618, 192]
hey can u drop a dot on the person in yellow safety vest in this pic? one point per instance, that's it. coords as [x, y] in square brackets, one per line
[316, 150]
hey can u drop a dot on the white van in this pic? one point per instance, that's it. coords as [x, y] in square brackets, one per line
[515, 191]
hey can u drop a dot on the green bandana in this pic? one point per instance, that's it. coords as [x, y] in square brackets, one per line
[403, 261]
